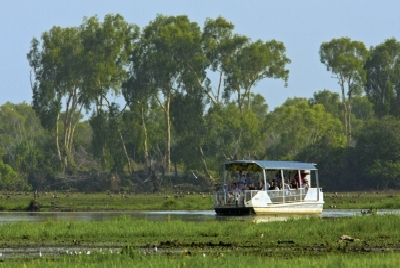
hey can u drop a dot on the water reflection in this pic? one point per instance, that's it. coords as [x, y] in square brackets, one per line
[185, 215]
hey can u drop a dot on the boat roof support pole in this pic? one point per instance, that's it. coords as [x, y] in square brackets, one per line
[283, 186]
[265, 179]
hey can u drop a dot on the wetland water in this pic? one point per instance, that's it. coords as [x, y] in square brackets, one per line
[185, 215]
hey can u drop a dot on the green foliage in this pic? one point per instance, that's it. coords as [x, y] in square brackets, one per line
[232, 134]
[378, 144]
[346, 59]
[253, 63]
[175, 110]
[7, 176]
[330, 101]
[77, 67]
[383, 78]
[292, 128]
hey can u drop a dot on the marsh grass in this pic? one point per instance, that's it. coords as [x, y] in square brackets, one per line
[167, 200]
[361, 200]
[372, 230]
[224, 243]
[103, 202]
[228, 260]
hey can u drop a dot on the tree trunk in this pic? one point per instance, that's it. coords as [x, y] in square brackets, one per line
[346, 113]
[146, 150]
[126, 153]
[204, 164]
[58, 140]
[168, 125]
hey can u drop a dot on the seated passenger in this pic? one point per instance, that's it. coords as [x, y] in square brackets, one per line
[274, 186]
[251, 187]
[260, 186]
[294, 184]
[297, 180]
[287, 185]
[241, 181]
[248, 180]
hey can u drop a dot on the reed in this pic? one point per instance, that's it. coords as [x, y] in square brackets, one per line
[228, 260]
[103, 201]
[368, 231]
[67, 201]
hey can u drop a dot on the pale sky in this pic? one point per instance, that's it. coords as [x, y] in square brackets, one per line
[301, 25]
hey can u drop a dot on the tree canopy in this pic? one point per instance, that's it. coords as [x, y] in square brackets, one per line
[189, 105]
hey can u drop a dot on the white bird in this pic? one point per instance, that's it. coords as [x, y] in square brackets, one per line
[88, 252]
[154, 248]
[40, 254]
[194, 175]
[204, 255]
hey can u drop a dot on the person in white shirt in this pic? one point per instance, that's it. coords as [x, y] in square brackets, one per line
[306, 185]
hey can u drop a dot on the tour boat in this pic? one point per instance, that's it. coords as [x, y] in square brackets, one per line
[288, 187]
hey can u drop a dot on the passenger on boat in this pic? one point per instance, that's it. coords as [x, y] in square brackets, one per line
[260, 186]
[305, 184]
[296, 181]
[241, 181]
[287, 187]
[278, 176]
[274, 186]
[248, 180]
[303, 175]
[251, 187]
[233, 187]
[294, 184]
[232, 193]
[268, 185]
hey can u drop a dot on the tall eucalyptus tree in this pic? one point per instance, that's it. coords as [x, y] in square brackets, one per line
[346, 59]
[76, 67]
[172, 59]
[254, 62]
[220, 45]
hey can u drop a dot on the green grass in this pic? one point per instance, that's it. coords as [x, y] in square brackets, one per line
[103, 202]
[171, 201]
[225, 243]
[228, 260]
[373, 230]
[362, 200]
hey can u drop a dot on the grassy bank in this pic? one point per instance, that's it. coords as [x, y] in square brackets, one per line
[67, 201]
[360, 200]
[232, 260]
[371, 241]
[370, 230]
[102, 201]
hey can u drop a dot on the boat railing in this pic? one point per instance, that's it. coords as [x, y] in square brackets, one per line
[229, 198]
[287, 195]
[238, 198]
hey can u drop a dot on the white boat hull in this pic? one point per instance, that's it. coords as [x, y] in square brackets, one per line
[297, 202]
[293, 208]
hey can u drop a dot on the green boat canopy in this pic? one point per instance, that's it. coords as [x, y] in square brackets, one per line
[259, 165]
